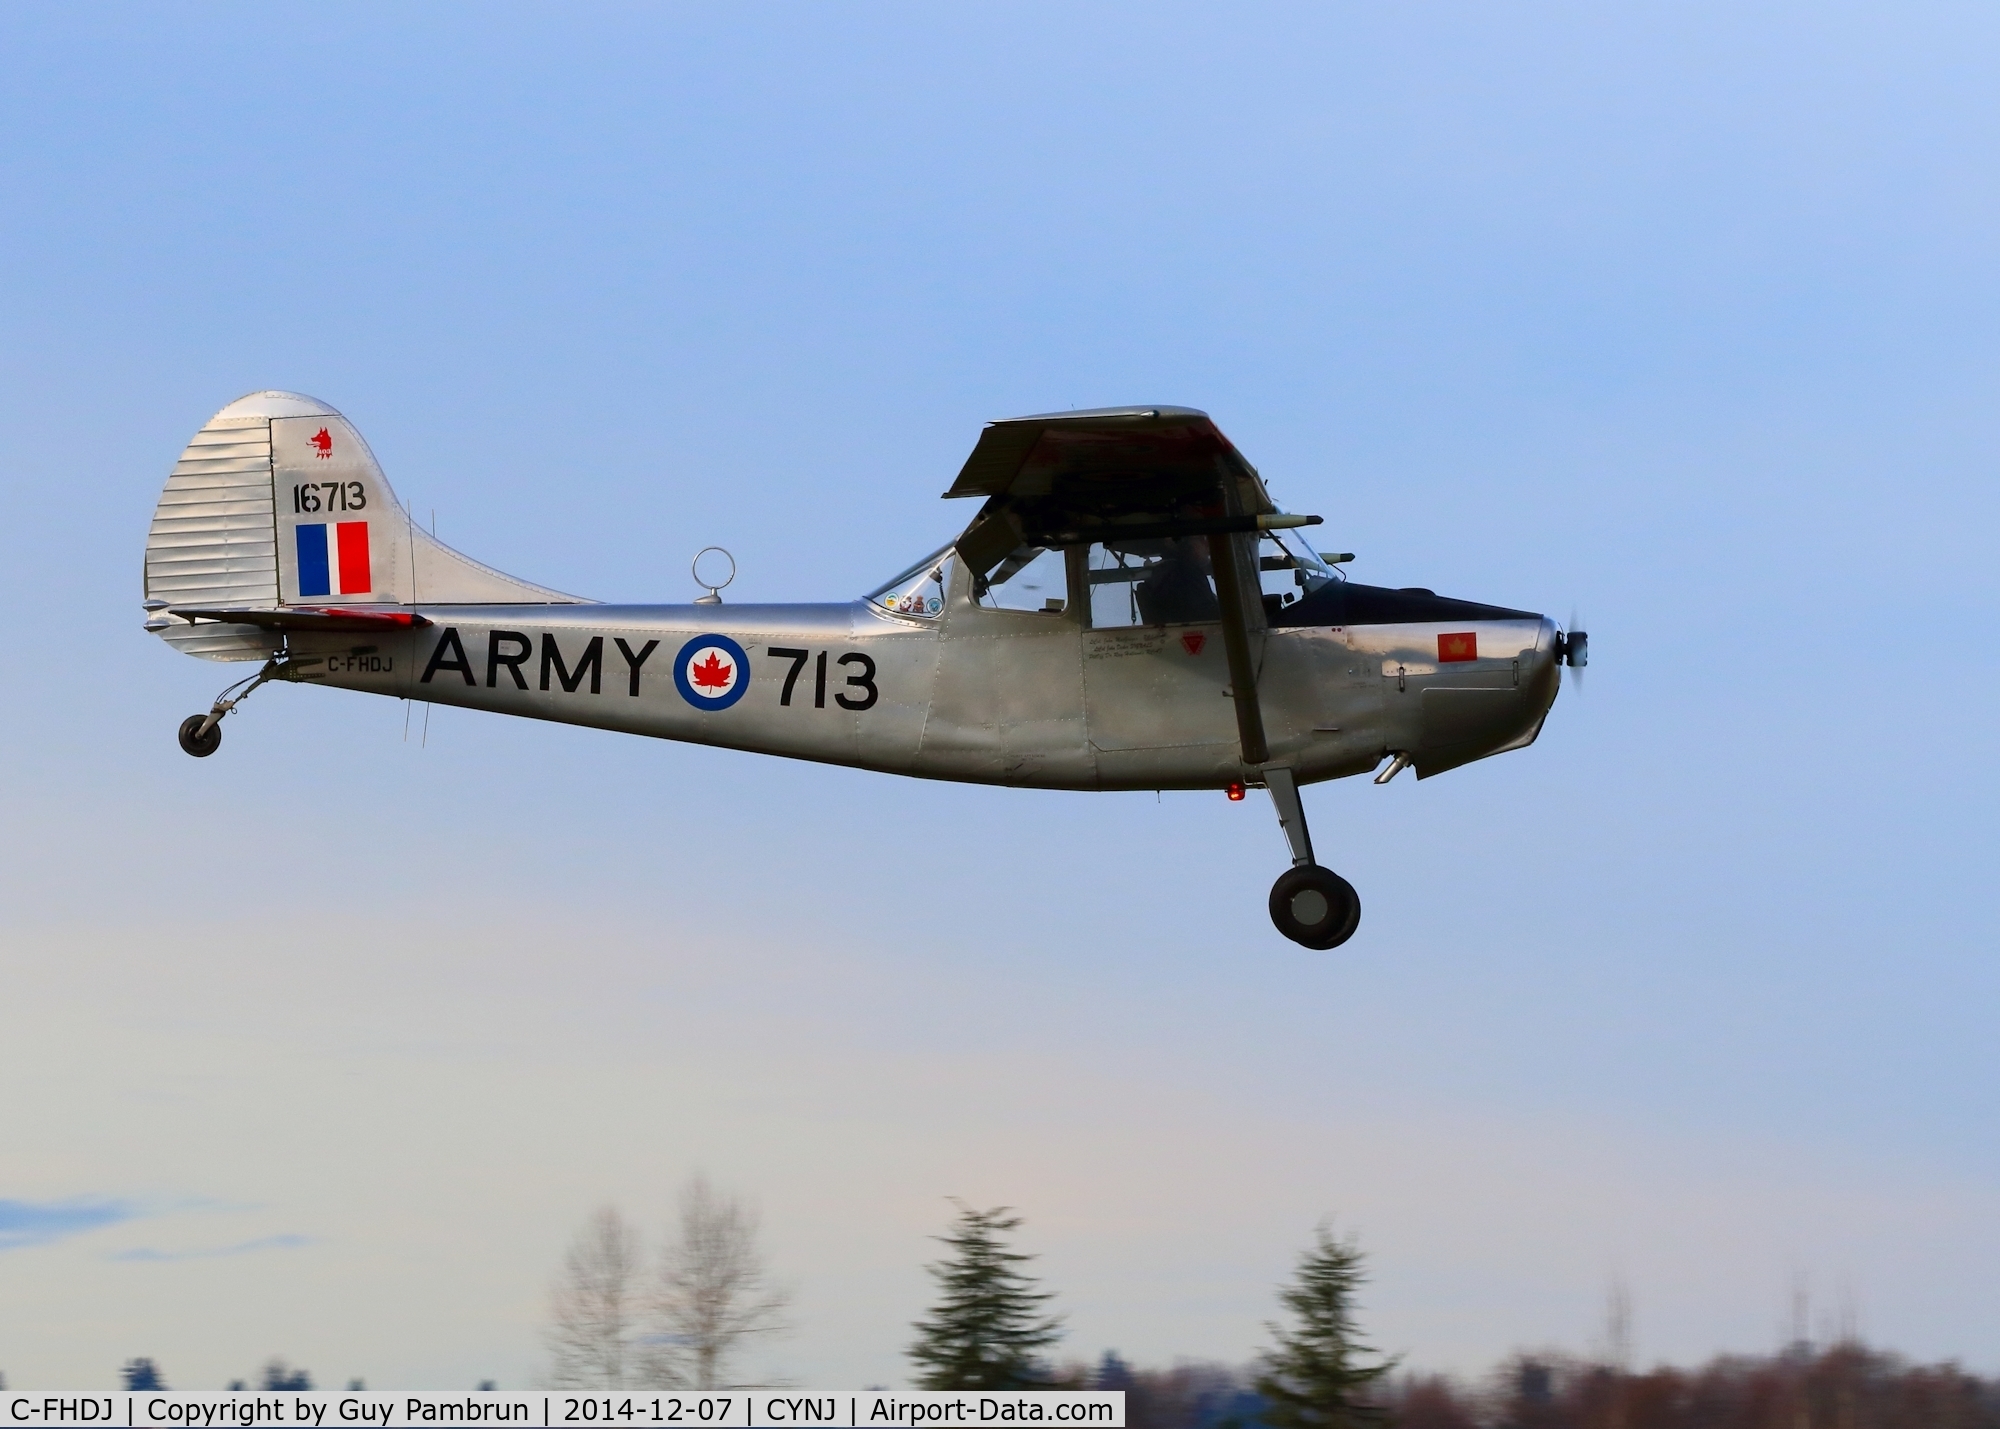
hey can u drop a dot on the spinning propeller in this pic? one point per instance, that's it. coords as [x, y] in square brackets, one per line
[1573, 649]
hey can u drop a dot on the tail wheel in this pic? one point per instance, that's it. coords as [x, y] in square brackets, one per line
[1315, 906]
[195, 742]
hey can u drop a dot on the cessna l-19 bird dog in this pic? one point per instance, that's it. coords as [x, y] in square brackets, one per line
[1127, 610]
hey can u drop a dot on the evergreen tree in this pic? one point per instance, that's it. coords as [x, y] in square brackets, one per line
[1113, 1373]
[987, 1329]
[281, 1377]
[1319, 1375]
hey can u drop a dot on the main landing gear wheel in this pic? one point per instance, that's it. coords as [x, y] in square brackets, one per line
[195, 742]
[1315, 906]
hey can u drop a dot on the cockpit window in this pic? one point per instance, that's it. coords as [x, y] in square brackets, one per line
[1162, 580]
[918, 592]
[1027, 578]
[1158, 580]
[1171, 580]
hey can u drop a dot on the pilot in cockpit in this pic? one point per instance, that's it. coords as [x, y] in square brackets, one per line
[1179, 588]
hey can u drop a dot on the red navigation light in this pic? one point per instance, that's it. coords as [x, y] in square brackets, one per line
[1235, 793]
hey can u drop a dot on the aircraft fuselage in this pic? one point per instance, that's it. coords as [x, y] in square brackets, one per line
[980, 695]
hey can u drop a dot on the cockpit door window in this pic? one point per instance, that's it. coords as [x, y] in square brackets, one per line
[1165, 580]
[1028, 578]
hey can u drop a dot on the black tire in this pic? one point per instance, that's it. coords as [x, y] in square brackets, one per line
[200, 745]
[1315, 907]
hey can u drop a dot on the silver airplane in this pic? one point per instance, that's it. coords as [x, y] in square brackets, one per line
[1127, 610]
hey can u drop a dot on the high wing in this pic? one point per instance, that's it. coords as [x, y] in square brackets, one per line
[1054, 479]
[1112, 459]
[1067, 479]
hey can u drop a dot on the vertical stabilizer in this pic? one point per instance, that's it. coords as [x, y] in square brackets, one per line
[278, 501]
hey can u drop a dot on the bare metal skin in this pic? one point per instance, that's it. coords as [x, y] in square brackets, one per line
[1128, 611]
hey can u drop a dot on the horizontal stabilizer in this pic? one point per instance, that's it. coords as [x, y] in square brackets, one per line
[305, 617]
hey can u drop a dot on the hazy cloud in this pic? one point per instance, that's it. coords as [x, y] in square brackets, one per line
[269, 1242]
[39, 1222]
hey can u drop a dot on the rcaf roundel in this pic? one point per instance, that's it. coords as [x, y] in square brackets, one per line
[711, 672]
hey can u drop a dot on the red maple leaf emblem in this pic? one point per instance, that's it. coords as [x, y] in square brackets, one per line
[710, 674]
[323, 440]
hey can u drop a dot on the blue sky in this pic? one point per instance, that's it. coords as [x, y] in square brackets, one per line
[1682, 314]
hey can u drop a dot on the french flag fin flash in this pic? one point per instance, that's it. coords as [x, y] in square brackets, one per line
[334, 567]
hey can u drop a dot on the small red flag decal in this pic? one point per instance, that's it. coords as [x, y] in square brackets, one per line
[1464, 646]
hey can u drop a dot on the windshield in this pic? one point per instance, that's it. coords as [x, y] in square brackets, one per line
[1298, 568]
[919, 591]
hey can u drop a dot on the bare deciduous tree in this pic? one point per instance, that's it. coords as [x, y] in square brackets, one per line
[714, 1292]
[596, 1305]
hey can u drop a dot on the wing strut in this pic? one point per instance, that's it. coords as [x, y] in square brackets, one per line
[1236, 644]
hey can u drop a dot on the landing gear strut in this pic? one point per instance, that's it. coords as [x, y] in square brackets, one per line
[201, 735]
[1312, 906]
